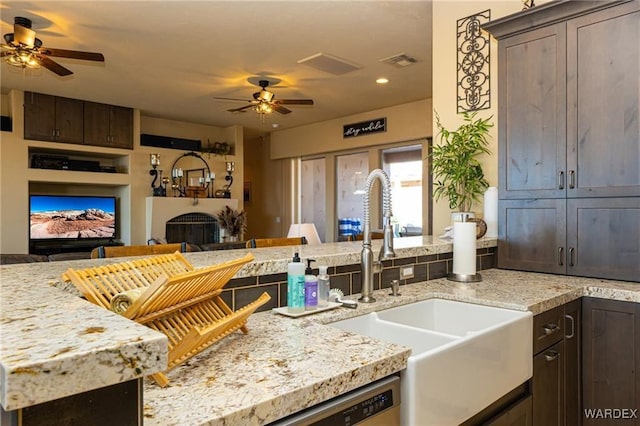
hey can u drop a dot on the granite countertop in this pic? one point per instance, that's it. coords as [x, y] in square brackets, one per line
[287, 364]
[281, 366]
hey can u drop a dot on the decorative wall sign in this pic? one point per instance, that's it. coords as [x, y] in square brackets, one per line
[377, 125]
[474, 83]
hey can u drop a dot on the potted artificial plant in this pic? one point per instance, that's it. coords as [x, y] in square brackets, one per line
[457, 172]
[232, 221]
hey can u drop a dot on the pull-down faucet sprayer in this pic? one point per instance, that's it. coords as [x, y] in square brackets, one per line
[386, 251]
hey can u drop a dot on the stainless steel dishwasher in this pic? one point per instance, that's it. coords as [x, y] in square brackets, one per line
[377, 404]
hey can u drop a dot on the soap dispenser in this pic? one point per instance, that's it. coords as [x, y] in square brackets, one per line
[295, 286]
[310, 288]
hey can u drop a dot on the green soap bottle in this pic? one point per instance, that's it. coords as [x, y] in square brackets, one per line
[295, 286]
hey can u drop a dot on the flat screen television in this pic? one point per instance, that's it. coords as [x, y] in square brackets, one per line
[72, 217]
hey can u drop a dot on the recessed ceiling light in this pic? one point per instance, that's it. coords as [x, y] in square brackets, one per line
[382, 80]
[275, 125]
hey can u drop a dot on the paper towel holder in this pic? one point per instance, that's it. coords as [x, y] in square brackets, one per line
[465, 278]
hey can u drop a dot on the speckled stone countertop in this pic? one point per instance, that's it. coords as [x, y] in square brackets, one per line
[282, 366]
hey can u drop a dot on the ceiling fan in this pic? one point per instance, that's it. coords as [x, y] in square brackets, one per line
[263, 102]
[24, 50]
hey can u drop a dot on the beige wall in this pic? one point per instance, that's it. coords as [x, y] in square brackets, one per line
[17, 180]
[445, 15]
[406, 122]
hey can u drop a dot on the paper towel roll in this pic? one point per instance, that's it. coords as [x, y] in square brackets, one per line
[464, 248]
[491, 211]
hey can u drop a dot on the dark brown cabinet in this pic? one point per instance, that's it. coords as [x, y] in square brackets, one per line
[569, 139]
[555, 386]
[108, 125]
[611, 362]
[519, 414]
[52, 118]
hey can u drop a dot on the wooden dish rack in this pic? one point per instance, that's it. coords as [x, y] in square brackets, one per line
[177, 300]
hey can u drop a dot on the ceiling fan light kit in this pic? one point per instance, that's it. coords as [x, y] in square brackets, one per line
[264, 101]
[24, 50]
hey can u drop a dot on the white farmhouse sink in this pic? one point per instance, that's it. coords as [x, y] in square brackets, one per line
[464, 356]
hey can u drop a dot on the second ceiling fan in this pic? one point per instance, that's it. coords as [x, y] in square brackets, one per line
[264, 101]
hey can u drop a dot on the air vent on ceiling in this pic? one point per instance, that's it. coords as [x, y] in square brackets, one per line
[328, 63]
[399, 61]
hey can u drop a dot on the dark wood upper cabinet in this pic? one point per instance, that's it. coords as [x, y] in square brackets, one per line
[57, 119]
[603, 109]
[53, 118]
[532, 136]
[108, 125]
[569, 138]
[611, 360]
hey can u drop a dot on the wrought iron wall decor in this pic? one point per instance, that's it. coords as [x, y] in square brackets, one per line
[474, 83]
[528, 4]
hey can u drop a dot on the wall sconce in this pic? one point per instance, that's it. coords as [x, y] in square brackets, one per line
[231, 167]
[160, 190]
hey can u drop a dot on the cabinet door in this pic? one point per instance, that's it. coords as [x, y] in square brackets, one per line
[611, 360]
[520, 414]
[531, 235]
[603, 94]
[121, 129]
[572, 363]
[603, 237]
[96, 124]
[548, 386]
[69, 120]
[39, 116]
[532, 135]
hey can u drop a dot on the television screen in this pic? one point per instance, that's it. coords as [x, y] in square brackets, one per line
[71, 217]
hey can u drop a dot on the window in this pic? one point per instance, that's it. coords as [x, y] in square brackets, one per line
[404, 167]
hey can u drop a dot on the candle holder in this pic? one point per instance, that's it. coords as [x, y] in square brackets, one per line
[231, 167]
[160, 190]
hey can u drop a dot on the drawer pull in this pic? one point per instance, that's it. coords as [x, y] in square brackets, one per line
[551, 355]
[550, 328]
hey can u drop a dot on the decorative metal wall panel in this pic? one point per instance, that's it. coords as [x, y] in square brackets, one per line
[474, 83]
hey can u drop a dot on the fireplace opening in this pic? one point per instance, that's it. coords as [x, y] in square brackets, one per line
[194, 228]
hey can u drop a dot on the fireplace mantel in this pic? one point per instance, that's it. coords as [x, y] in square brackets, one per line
[161, 209]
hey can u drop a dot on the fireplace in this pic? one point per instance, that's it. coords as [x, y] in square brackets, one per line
[194, 228]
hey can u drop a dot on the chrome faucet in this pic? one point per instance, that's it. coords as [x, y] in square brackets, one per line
[386, 251]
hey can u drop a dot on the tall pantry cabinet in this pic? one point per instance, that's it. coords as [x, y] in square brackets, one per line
[569, 139]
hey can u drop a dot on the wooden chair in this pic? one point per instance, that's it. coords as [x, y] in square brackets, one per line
[142, 250]
[374, 236]
[275, 242]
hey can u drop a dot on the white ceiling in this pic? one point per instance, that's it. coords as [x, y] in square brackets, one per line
[171, 58]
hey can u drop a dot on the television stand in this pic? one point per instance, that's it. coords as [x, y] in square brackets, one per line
[47, 247]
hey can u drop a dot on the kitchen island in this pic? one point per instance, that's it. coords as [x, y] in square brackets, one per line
[281, 366]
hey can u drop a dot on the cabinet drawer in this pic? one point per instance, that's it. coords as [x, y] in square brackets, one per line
[548, 328]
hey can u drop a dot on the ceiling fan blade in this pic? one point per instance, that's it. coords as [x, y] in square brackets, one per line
[231, 99]
[73, 54]
[294, 101]
[54, 66]
[280, 109]
[24, 35]
[7, 47]
[241, 109]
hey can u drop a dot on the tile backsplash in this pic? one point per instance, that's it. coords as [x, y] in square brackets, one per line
[241, 291]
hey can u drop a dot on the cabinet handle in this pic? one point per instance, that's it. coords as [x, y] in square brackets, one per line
[560, 180]
[551, 355]
[550, 328]
[571, 250]
[573, 323]
[560, 256]
[572, 179]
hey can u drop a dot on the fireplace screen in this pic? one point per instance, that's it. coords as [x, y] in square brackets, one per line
[193, 228]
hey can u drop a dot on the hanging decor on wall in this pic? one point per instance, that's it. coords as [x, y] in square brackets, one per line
[474, 84]
[362, 128]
